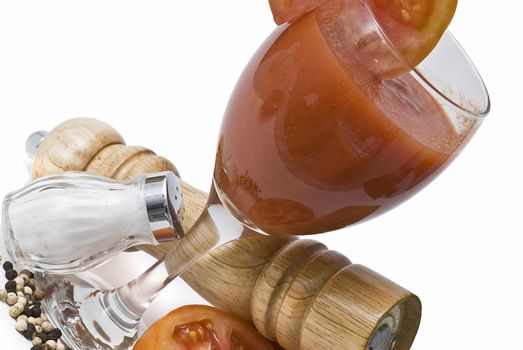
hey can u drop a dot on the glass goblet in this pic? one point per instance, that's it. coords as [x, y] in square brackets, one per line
[329, 125]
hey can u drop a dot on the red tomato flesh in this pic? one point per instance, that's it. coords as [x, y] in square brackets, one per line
[201, 327]
[414, 26]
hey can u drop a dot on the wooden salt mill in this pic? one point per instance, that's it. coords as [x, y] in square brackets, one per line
[295, 291]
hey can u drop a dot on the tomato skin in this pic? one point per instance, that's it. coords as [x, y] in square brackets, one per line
[201, 327]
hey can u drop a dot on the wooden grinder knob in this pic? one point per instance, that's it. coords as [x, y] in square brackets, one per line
[295, 291]
[85, 144]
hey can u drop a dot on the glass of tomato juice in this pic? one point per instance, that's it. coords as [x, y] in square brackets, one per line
[331, 124]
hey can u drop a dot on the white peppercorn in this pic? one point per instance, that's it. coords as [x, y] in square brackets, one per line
[20, 294]
[19, 288]
[19, 281]
[20, 306]
[60, 346]
[11, 299]
[38, 321]
[52, 344]
[31, 320]
[21, 326]
[38, 328]
[15, 311]
[43, 317]
[46, 327]
[36, 341]
[22, 300]
[22, 317]
[3, 294]
[28, 291]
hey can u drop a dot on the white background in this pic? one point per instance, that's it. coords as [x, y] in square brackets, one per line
[161, 72]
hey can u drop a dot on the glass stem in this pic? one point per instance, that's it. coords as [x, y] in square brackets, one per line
[215, 226]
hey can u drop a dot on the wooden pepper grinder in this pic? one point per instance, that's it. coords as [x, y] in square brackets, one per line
[295, 291]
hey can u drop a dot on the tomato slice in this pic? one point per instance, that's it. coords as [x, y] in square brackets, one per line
[201, 327]
[414, 26]
[288, 10]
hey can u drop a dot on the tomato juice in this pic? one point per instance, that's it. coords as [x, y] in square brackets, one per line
[315, 139]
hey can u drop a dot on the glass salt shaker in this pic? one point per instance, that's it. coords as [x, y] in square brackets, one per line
[73, 221]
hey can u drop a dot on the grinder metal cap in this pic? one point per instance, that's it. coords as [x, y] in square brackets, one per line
[164, 203]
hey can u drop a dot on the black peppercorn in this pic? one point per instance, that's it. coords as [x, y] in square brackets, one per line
[31, 284]
[27, 312]
[37, 303]
[28, 335]
[36, 311]
[37, 347]
[42, 336]
[55, 334]
[11, 274]
[58, 332]
[10, 287]
[31, 328]
[27, 273]
[8, 266]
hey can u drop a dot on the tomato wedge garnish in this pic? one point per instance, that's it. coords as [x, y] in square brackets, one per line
[414, 26]
[201, 327]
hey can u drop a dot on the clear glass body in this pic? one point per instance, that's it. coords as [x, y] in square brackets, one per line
[73, 221]
[329, 125]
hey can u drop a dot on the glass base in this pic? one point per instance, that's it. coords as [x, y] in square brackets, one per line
[83, 309]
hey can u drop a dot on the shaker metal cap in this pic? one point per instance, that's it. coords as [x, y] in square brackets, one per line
[164, 203]
[33, 142]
